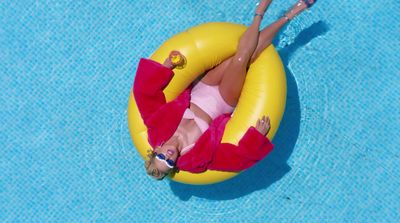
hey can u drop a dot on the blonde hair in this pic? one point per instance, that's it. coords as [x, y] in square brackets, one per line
[150, 168]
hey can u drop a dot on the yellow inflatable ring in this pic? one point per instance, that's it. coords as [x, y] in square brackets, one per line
[205, 46]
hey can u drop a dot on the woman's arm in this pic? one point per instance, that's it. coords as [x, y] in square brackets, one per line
[174, 59]
[150, 80]
[252, 147]
[263, 125]
[208, 154]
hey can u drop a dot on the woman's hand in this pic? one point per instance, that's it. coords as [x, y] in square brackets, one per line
[174, 59]
[263, 125]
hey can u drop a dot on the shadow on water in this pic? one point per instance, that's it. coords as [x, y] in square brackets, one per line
[274, 166]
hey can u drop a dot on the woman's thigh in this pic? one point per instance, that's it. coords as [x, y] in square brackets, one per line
[229, 76]
[215, 75]
[232, 82]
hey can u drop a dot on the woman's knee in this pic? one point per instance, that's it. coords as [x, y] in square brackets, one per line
[241, 59]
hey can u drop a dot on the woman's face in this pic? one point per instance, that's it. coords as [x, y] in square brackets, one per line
[165, 155]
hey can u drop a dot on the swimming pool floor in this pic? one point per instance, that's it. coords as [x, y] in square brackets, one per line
[66, 68]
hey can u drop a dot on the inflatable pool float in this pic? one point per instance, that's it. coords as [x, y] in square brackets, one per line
[205, 46]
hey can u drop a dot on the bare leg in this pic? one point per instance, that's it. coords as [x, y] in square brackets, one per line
[231, 73]
[268, 33]
[266, 37]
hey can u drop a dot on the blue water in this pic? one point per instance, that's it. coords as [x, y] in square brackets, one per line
[66, 68]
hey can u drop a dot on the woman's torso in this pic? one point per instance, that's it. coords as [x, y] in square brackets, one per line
[188, 132]
[191, 128]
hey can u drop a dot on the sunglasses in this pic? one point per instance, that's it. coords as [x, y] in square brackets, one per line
[170, 163]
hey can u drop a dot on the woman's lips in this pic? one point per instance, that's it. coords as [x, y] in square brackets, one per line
[170, 152]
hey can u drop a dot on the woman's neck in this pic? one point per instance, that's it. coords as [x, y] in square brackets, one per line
[175, 141]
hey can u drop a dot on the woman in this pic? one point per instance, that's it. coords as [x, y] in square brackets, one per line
[191, 126]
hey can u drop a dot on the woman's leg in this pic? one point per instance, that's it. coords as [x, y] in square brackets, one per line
[268, 33]
[231, 73]
[266, 36]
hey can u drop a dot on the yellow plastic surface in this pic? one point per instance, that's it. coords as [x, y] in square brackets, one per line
[205, 46]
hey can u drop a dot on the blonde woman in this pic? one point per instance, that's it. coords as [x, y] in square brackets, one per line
[186, 133]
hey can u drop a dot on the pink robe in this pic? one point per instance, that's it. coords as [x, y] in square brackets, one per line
[162, 120]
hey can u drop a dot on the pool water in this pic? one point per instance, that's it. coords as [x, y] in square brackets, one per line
[66, 69]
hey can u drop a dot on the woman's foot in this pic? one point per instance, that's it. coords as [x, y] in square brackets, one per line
[300, 6]
[261, 7]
